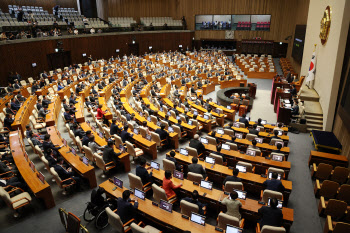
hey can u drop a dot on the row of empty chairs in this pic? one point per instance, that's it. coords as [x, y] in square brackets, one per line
[160, 21]
[121, 21]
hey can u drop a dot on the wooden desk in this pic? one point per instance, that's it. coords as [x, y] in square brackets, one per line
[103, 102]
[280, 93]
[39, 189]
[283, 113]
[54, 108]
[230, 114]
[277, 83]
[265, 135]
[44, 90]
[263, 75]
[249, 209]
[332, 159]
[23, 114]
[79, 114]
[268, 127]
[23, 90]
[66, 90]
[86, 171]
[232, 83]
[208, 88]
[124, 158]
[219, 117]
[173, 221]
[253, 183]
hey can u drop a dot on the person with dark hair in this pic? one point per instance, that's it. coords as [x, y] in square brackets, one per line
[95, 148]
[244, 120]
[271, 216]
[162, 133]
[50, 157]
[178, 124]
[259, 122]
[85, 141]
[66, 173]
[125, 208]
[194, 200]
[168, 184]
[125, 135]
[142, 172]
[197, 168]
[48, 144]
[45, 101]
[97, 197]
[109, 155]
[114, 128]
[196, 144]
[274, 184]
[232, 204]
[279, 147]
[15, 106]
[234, 177]
[171, 157]
[254, 130]
[253, 145]
[8, 120]
[275, 135]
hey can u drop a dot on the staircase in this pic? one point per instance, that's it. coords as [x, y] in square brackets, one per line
[313, 110]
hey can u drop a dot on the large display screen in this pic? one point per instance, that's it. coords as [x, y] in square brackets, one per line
[298, 43]
[233, 22]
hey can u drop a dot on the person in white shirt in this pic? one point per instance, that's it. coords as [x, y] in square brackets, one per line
[85, 20]
[76, 32]
[92, 30]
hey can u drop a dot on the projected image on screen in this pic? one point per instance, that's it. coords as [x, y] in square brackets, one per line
[204, 22]
[298, 43]
[241, 22]
[222, 22]
[260, 22]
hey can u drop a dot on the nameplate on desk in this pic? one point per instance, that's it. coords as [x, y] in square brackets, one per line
[226, 193]
[219, 229]
[267, 157]
[201, 159]
[185, 216]
[154, 203]
[263, 176]
[261, 202]
[229, 167]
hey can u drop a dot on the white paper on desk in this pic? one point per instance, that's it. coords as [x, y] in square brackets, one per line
[286, 101]
[288, 105]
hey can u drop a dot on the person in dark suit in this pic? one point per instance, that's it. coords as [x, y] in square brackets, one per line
[259, 122]
[171, 157]
[279, 147]
[289, 77]
[46, 101]
[194, 200]
[244, 120]
[142, 172]
[178, 124]
[8, 109]
[271, 216]
[254, 130]
[48, 144]
[50, 157]
[196, 144]
[35, 87]
[78, 131]
[293, 91]
[66, 173]
[72, 99]
[233, 178]
[109, 155]
[78, 89]
[125, 135]
[196, 168]
[295, 110]
[114, 128]
[274, 184]
[8, 121]
[15, 106]
[275, 135]
[162, 133]
[85, 141]
[125, 208]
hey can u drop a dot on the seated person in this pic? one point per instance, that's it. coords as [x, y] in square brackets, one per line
[125, 135]
[109, 155]
[279, 147]
[233, 205]
[274, 184]
[197, 168]
[133, 122]
[144, 126]
[275, 135]
[36, 141]
[66, 173]
[95, 148]
[171, 157]
[278, 127]
[194, 200]
[254, 130]
[168, 185]
[195, 143]
[178, 124]
[142, 172]
[8, 121]
[50, 157]
[271, 216]
[259, 122]
[48, 144]
[125, 208]
[85, 141]
[78, 131]
[244, 120]
[114, 129]
[234, 177]
[162, 133]
[14, 181]
[253, 145]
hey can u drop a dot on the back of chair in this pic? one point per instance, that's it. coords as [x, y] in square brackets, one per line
[194, 177]
[229, 132]
[137, 229]
[56, 177]
[323, 171]
[271, 194]
[73, 223]
[115, 221]
[177, 130]
[168, 165]
[241, 125]
[344, 193]
[79, 143]
[278, 171]
[233, 146]
[5, 196]
[155, 138]
[158, 193]
[187, 208]
[88, 153]
[249, 166]
[192, 151]
[218, 158]
[143, 132]
[99, 161]
[135, 181]
[271, 229]
[329, 189]
[340, 174]
[341, 227]
[279, 154]
[106, 132]
[230, 185]
[154, 119]
[40, 152]
[245, 102]
[225, 219]
[211, 140]
[118, 141]
[274, 140]
[130, 149]
[335, 208]
[250, 137]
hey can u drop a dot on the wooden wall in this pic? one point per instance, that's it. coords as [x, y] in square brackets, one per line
[19, 56]
[343, 135]
[46, 4]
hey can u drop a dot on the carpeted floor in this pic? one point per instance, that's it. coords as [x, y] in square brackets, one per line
[302, 200]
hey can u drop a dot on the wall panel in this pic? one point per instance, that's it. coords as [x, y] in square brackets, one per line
[46, 4]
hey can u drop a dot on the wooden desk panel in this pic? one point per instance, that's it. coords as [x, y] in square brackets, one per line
[328, 158]
[230, 114]
[208, 88]
[66, 90]
[79, 114]
[39, 189]
[23, 114]
[55, 108]
[263, 75]
[86, 171]
[232, 83]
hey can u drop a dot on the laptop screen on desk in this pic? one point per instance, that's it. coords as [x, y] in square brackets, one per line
[236, 124]
[199, 219]
[73, 151]
[263, 122]
[100, 134]
[241, 168]
[277, 157]
[220, 131]
[225, 147]
[136, 131]
[279, 205]
[148, 137]
[204, 140]
[190, 122]
[121, 148]
[280, 132]
[206, 117]
[118, 182]
[259, 140]
[179, 175]
[278, 177]
[209, 160]
[232, 229]
[155, 165]
[140, 194]
[239, 135]
[170, 129]
[206, 184]
[251, 152]
[85, 160]
[183, 151]
[149, 119]
[166, 206]
[241, 194]
[228, 107]
[64, 142]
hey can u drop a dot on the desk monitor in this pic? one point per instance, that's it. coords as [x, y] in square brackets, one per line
[186, 109]
[251, 152]
[41, 177]
[236, 124]
[64, 142]
[168, 113]
[100, 134]
[232, 229]
[206, 184]
[241, 194]
[155, 165]
[170, 129]
[32, 165]
[148, 137]
[279, 177]
[190, 122]
[118, 182]
[217, 111]
[158, 123]
[85, 160]
[210, 160]
[206, 117]
[277, 157]
[178, 118]
[264, 122]
[183, 151]
[136, 131]
[279, 205]
[199, 219]
[179, 175]
[258, 129]
[161, 109]
[259, 140]
[140, 194]
[204, 140]
[84, 54]
[241, 168]
[220, 131]
[282, 144]
[166, 206]
[149, 118]
[141, 114]
[93, 128]
[225, 147]
[73, 151]
[195, 113]
[121, 148]
[239, 135]
[228, 107]
[280, 123]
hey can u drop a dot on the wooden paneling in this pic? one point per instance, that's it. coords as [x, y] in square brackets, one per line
[343, 135]
[19, 57]
[46, 4]
[102, 9]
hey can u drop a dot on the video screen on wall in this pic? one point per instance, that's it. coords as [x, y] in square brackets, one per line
[233, 22]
